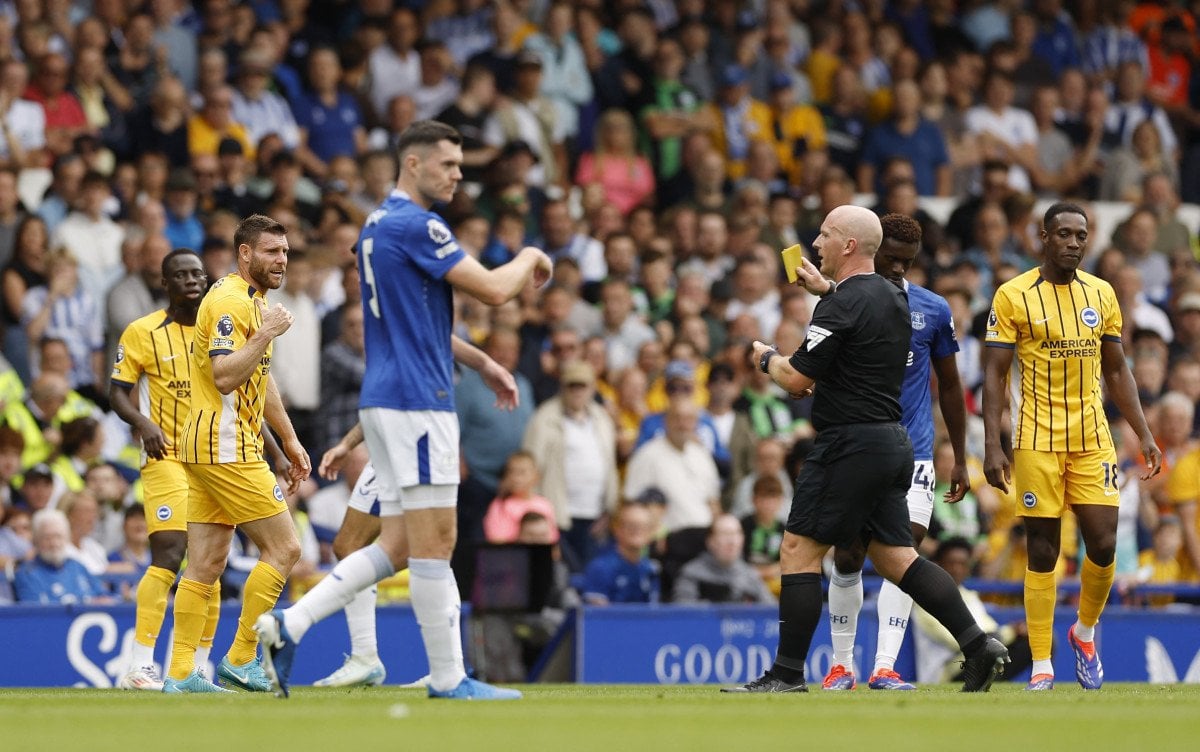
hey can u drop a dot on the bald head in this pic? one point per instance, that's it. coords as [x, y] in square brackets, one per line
[860, 224]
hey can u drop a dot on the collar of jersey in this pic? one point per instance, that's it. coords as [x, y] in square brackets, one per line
[251, 290]
[397, 193]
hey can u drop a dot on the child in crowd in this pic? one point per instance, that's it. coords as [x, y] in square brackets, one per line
[763, 530]
[514, 499]
[1160, 564]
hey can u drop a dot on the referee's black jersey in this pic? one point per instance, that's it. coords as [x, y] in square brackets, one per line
[856, 350]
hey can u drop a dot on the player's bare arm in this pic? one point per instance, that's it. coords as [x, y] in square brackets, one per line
[154, 441]
[781, 371]
[277, 418]
[997, 361]
[1118, 380]
[232, 370]
[954, 412]
[502, 284]
[495, 376]
[335, 457]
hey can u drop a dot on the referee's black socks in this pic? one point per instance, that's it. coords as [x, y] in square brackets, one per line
[934, 590]
[800, 600]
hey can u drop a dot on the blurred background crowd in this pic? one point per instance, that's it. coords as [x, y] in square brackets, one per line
[662, 152]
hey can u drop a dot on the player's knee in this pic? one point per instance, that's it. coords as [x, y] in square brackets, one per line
[169, 557]
[848, 561]
[1102, 552]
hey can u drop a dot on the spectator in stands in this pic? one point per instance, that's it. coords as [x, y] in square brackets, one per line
[1130, 107]
[215, 122]
[1159, 564]
[574, 442]
[566, 80]
[140, 291]
[26, 271]
[762, 528]
[515, 498]
[63, 309]
[678, 465]
[261, 110]
[438, 87]
[938, 656]
[720, 575]
[740, 119]
[296, 361]
[624, 331]
[624, 176]
[103, 99]
[22, 122]
[11, 212]
[133, 556]
[754, 294]
[52, 576]
[183, 229]
[91, 237]
[162, 125]
[529, 116]
[624, 574]
[469, 114]
[1110, 43]
[65, 119]
[1060, 166]
[16, 546]
[560, 238]
[907, 134]
[395, 67]
[1128, 166]
[1005, 132]
[11, 447]
[994, 247]
[1137, 245]
[769, 456]
[845, 119]
[83, 513]
[489, 436]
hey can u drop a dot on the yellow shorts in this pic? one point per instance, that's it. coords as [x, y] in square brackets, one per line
[232, 493]
[165, 494]
[1046, 482]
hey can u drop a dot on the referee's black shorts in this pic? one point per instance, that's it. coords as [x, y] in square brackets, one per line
[854, 486]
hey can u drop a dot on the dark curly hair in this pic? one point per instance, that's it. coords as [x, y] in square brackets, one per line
[900, 228]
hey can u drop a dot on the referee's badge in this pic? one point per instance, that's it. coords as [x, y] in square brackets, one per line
[918, 320]
[1089, 317]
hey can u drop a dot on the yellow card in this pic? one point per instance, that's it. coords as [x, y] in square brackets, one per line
[792, 258]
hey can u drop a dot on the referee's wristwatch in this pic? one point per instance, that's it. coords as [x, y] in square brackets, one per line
[764, 363]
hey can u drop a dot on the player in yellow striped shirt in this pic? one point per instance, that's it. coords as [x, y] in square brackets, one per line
[222, 452]
[154, 358]
[1065, 327]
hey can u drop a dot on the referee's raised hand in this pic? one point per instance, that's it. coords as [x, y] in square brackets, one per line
[811, 279]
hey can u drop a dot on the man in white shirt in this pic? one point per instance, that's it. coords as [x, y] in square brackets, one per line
[92, 238]
[296, 361]
[683, 470]
[1005, 132]
[755, 294]
[262, 111]
[22, 122]
[624, 331]
[395, 67]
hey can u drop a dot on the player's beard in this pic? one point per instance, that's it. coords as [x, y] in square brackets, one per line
[260, 273]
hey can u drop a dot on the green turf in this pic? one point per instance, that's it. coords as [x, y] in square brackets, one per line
[571, 718]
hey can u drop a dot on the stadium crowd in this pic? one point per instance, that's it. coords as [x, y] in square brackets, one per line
[662, 152]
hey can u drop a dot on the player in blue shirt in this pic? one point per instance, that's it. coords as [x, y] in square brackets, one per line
[932, 344]
[409, 266]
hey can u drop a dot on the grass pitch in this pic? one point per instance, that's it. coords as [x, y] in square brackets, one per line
[576, 718]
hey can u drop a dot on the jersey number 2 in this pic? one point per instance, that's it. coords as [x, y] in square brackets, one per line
[368, 245]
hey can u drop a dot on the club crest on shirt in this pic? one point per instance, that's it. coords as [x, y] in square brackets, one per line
[1089, 317]
[918, 320]
[438, 232]
[278, 493]
[163, 513]
[225, 325]
[1029, 499]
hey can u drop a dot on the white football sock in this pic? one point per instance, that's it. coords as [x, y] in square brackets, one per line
[1084, 634]
[201, 661]
[1042, 667]
[893, 607]
[436, 603]
[360, 618]
[142, 655]
[359, 570]
[845, 601]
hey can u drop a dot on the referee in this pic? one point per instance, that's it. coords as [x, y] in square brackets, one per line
[855, 482]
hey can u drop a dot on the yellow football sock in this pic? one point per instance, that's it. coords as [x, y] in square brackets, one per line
[152, 594]
[1094, 583]
[191, 612]
[214, 615]
[1040, 596]
[262, 590]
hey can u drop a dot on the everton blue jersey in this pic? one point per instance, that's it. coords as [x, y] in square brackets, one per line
[404, 253]
[932, 339]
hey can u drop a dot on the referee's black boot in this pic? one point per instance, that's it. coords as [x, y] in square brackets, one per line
[768, 682]
[981, 669]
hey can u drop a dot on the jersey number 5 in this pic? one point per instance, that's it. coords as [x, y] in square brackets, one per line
[368, 245]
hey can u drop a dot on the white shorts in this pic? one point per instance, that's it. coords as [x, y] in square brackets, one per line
[365, 496]
[415, 456]
[920, 494]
